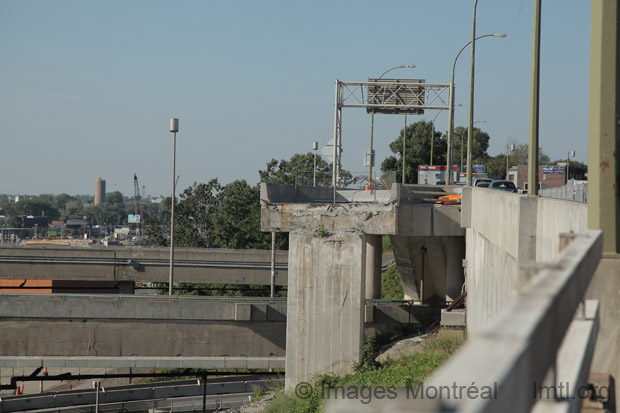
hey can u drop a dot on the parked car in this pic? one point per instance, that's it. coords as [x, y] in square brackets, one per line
[503, 185]
[484, 184]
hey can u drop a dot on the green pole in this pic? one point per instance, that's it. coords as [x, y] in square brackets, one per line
[470, 128]
[604, 131]
[532, 170]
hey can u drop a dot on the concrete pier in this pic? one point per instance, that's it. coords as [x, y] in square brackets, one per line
[335, 258]
[324, 332]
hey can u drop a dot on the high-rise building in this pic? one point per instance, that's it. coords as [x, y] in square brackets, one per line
[99, 191]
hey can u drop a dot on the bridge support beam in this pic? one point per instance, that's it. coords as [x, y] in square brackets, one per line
[325, 325]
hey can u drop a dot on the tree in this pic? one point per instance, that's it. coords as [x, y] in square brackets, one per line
[418, 143]
[215, 216]
[297, 171]
[496, 165]
[238, 223]
[114, 198]
[73, 206]
[479, 145]
[520, 156]
[195, 214]
[107, 213]
[61, 201]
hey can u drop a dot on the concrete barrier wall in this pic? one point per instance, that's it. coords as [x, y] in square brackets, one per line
[146, 339]
[489, 274]
[495, 216]
[556, 216]
[505, 230]
[492, 250]
[51, 325]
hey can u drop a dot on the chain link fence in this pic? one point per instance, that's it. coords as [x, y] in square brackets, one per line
[572, 191]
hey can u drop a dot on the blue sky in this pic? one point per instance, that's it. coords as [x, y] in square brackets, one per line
[88, 87]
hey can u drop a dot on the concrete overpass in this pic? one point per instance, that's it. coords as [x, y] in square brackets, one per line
[328, 309]
[334, 262]
[513, 249]
[57, 330]
[132, 264]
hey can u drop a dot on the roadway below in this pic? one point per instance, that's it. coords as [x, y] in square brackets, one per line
[186, 395]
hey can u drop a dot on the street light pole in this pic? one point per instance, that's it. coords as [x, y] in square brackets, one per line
[451, 105]
[571, 153]
[315, 146]
[372, 119]
[509, 149]
[174, 128]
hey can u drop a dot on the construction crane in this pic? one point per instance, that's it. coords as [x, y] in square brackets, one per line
[136, 204]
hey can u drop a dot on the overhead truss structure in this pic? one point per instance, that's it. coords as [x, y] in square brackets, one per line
[391, 96]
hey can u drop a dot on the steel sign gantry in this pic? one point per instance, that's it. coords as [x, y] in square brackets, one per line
[392, 96]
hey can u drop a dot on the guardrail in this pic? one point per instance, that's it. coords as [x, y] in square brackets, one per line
[535, 354]
[169, 396]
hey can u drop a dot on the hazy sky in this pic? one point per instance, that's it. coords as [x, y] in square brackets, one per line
[88, 87]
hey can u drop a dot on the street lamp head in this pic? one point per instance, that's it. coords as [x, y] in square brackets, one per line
[174, 125]
[396, 67]
[500, 35]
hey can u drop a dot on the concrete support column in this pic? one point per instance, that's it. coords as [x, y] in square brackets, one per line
[325, 324]
[126, 287]
[373, 266]
[455, 252]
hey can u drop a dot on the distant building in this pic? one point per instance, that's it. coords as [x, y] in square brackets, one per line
[434, 175]
[551, 176]
[99, 191]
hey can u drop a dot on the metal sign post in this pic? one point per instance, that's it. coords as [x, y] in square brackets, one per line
[391, 96]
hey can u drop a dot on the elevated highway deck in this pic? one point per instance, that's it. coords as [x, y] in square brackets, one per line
[192, 265]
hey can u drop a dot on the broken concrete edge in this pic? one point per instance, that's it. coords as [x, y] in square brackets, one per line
[271, 193]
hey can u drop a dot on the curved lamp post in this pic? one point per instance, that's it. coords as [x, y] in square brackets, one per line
[372, 118]
[451, 105]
